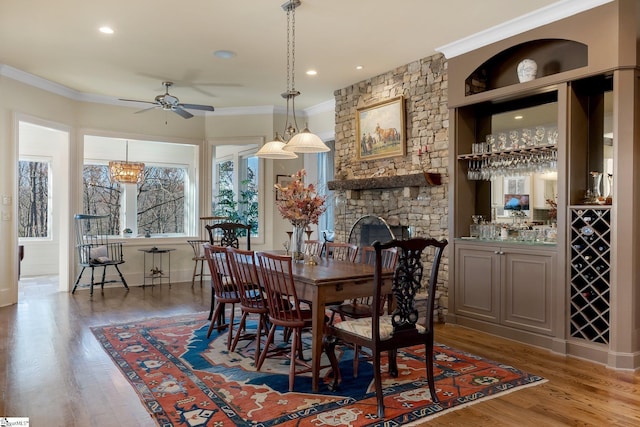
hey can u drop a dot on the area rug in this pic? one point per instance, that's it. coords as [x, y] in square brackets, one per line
[185, 379]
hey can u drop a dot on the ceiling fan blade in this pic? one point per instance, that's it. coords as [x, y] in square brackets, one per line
[146, 109]
[197, 107]
[181, 112]
[137, 100]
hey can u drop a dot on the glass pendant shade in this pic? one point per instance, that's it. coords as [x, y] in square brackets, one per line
[306, 142]
[274, 150]
[126, 172]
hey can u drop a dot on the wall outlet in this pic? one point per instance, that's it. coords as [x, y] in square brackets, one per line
[6, 216]
[6, 200]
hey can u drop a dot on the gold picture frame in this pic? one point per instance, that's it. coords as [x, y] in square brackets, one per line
[283, 180]
[380, 130]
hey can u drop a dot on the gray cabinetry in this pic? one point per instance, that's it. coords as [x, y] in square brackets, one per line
[509, 285]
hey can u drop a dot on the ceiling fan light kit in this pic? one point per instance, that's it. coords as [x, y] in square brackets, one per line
[298, 142]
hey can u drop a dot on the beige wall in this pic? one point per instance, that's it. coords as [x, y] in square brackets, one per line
[23, 100]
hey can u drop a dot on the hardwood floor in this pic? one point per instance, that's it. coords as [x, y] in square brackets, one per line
[56, 373]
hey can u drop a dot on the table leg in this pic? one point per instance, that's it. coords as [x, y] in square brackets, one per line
[317, 331]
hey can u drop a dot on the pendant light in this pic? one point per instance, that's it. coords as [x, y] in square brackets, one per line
[126, 172]
[298, 142]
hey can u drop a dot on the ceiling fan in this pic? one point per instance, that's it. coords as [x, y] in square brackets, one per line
[169, 102]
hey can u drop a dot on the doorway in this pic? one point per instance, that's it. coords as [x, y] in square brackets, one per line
[44, 203]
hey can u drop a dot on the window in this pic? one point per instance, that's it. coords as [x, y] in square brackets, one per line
[100, 196]
[325, 174]
[236, 183]
[34, 199]
[162, 204]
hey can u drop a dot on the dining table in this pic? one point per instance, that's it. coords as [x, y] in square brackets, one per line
[327, 281]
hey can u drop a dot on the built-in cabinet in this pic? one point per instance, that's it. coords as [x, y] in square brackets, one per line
[578, 296]
[509, 285]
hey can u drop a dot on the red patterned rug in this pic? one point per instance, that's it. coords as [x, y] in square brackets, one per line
[184, 379]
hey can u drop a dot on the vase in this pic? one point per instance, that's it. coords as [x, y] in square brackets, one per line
[609, 198]
[297, 243]
[527, 70]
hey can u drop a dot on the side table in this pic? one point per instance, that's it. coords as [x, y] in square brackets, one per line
[155, 272]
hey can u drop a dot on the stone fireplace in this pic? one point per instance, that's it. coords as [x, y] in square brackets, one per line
[409, 190]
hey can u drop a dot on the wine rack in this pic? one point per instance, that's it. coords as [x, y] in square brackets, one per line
[590, 273]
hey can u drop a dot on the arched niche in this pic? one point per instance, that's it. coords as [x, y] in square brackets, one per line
[552, 56]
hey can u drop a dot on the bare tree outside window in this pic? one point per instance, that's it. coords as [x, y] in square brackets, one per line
[161, 200]
[100, 196]
[33, 199]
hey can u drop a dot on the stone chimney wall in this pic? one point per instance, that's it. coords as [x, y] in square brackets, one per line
[423, 84]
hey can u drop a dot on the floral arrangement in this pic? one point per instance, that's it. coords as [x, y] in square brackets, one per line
[299, 204]
[553, 212]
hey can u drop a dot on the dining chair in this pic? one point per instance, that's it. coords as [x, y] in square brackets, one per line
[252, 301]
[312, 248]
[199, 260]
[224, 290]
[228, 234]
[284, 309]
[406, 326]
[341, 251]
[358, 308]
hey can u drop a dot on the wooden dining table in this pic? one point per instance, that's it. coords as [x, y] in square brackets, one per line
[330, 281]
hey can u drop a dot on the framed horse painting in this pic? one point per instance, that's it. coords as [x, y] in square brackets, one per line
[380, 130]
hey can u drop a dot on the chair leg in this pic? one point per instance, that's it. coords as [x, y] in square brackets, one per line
[393, 363]
[356, 360]
[215, 316]
[213, 304]
[124, 282]
[329, 345]
[91, 291]
[377, 375]
[193, 276]
[230, 335]
[241, 327]
[265, 350]
[294, 350]
[430, 377]
[104, 277]
[78, 280]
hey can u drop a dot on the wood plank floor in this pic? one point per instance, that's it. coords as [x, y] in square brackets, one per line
[55, 372]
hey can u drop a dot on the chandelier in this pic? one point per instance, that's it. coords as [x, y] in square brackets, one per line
[298, 142]
[126, 172]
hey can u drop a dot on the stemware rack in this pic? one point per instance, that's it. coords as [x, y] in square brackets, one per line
[590, 273]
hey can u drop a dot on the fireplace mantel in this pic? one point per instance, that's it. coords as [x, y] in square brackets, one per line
[422, 179]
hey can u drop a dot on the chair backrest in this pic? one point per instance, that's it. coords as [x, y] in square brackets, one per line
[389, 256]
[246, 277]
[197, 247]
[281, 296]
[229, 234]
[92, 240]
[407, 281]
[342, 251]
[221, 274]
[312, 247]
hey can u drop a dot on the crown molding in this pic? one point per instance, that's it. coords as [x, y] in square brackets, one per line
[543, 16]
[58, 89]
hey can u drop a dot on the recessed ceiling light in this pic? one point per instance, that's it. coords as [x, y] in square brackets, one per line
[518, 117]
[224, 54]
[106, 30]
[359, 67]
[311, 72]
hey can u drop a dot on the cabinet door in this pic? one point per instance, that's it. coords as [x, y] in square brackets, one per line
[527, 290]
[477, 292]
